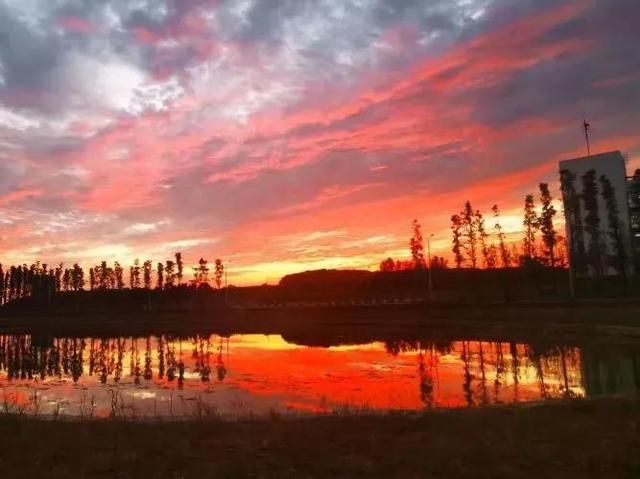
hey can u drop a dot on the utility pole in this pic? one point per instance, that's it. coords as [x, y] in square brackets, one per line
[429, 266]
[586, 127]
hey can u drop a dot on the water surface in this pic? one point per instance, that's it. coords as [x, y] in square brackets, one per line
[260, 374]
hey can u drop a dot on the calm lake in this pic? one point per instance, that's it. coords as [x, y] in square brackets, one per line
[245, 375]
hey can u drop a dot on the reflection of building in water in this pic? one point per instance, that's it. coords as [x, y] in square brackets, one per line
[493, 372]
[607, 372]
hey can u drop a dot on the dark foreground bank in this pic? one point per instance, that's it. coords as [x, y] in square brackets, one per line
[567, 440]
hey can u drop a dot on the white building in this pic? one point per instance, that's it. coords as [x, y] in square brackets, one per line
[612, 166]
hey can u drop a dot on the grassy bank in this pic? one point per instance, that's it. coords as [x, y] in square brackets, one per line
[568, 440]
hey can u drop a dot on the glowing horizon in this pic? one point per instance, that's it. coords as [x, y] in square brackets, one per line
[288, 136]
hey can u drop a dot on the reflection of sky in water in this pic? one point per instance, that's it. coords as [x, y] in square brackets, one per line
[257, 374]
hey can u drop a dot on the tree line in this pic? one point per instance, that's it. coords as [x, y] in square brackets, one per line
[474, 245]
[40, 280]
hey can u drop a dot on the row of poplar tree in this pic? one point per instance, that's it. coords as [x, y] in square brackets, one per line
[472, 245]
[39, 279]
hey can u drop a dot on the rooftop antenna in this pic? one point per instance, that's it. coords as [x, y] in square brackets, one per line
[586, 127]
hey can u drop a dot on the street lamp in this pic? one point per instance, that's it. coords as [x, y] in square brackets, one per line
[429, 266]
[226, 284]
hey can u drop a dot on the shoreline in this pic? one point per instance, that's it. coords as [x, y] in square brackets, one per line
[594, 320]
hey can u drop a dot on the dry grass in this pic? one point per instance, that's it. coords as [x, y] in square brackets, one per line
[564, 440]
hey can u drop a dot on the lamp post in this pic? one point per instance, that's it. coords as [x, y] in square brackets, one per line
[226, 284]
[429, 266]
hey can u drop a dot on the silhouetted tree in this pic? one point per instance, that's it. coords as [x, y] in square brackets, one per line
[58, 274]
[416, 244]
[491, 257]
[160, 277]
[201, 272]
[218, 272]
[169, 274]
[439, 262]
[531, 225]
[403, 265]
[92, 279]
[179, 267]
[104, 276]
[135, 275]
[147, 270]
[77, 277]
[66, 280]
[387, 265]
[456, 242]
[502, 244]
[482, 238]
[470, 233]
[118, 272]
[549, 235]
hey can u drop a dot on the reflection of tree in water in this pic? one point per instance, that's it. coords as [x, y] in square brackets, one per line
[148, 372]
[119, 366]
[536, 360]
[397, 346]
[488, 370]
[556, 363]
[221, 368]
[467, 387]
[77, 350]
[161, 363]
[65, 356]
[134, 363]
[426, 368]
[484, 395]
[102, 361]
[501, 369]
[202, 356]
[92, 356]
[171, 361]
[515, 370]
[180, 367]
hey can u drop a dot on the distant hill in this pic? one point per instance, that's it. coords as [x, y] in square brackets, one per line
[324, 284]
[325, 276]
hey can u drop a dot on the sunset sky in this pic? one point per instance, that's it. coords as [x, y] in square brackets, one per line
[286, 135]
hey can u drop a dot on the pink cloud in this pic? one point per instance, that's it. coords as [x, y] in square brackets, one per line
[18, 195]
[77, 24]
